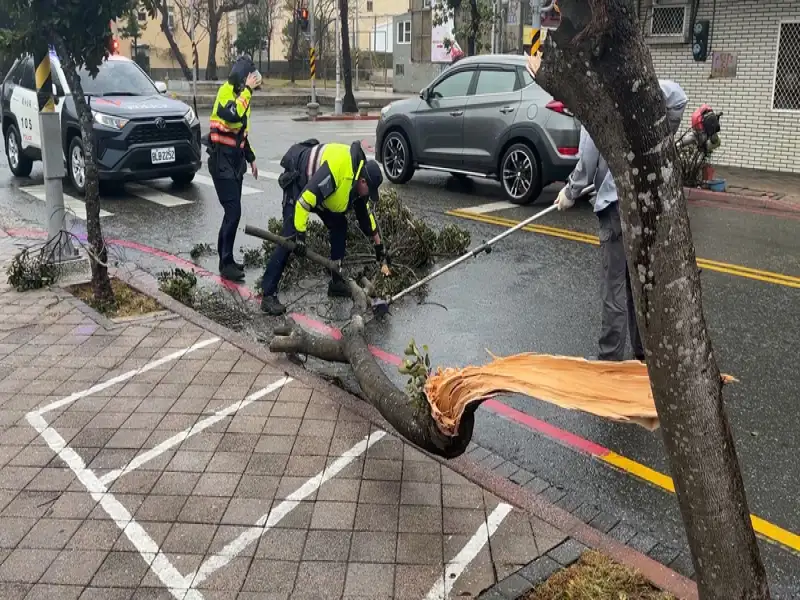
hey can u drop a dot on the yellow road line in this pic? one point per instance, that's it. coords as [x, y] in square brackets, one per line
[586, 238]
[762, 527]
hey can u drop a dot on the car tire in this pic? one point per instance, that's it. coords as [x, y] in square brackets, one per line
[19, 164]
[76, 164]
[183, 179]
[396, 157]
[520, 175]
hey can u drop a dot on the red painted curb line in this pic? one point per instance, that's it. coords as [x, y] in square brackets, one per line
[696, 194]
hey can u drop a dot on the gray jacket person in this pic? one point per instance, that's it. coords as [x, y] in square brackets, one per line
[618, 313]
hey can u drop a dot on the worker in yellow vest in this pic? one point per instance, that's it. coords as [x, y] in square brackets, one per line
[229, 153]
[327, 180]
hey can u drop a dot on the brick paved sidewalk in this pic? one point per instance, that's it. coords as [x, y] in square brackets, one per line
[152, 458]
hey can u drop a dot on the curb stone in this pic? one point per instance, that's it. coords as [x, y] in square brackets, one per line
[502, 486]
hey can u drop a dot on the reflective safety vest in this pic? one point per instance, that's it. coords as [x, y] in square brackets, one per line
[332, 170]
[230, 117]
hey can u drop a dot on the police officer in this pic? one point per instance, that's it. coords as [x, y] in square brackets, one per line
[229, 152]
[618, 311]
[327, 180]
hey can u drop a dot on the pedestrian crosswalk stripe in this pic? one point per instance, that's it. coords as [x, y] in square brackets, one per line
[73, 206]
[246, 190]
[155, 195]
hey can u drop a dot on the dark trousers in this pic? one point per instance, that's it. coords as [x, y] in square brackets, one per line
[619, 315]
[229, 192]
[337, 230]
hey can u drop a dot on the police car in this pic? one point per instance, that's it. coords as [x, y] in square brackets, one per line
[140, 133]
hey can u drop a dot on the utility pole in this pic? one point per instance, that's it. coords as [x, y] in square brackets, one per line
[536, 25]
[337, 103]
[193, 22]
[60, 246]
[313, 51]
[355, 40]
[494, 27]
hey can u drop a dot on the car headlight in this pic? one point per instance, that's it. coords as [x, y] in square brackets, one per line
[110, 121]
[385, 109]
[190, 117]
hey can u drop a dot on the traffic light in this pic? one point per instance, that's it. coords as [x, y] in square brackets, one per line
[302, 16]
[112, 44]
[700, 40]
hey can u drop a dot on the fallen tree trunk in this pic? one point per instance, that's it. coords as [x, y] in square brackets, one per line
[410, 417]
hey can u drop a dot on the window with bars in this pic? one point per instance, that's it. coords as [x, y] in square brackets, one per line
[370, 6]
[668, 20]
[404, 32]
[421, 36]
[786, 94]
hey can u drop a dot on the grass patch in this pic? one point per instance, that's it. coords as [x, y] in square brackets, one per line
[596, 577]
[129, 302]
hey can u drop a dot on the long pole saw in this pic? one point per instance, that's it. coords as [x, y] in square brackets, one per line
[381, 306]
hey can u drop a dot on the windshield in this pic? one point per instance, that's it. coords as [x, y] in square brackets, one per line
[117, 78]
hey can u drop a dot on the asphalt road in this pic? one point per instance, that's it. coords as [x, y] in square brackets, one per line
[539, 292]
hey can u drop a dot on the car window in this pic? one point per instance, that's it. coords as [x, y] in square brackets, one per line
[27, 79]
[16, 72]
[527, 78]
[453, 86]
[117, 78]
[495, 82]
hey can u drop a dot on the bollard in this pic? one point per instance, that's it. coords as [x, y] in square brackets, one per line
[363, 109]
[313, 110]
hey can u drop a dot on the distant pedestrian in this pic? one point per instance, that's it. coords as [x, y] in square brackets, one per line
[618, 313]
[229, 153]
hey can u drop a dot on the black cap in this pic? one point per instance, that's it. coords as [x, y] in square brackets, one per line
[374, 176]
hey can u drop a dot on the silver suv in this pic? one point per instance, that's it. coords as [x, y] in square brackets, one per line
[482, 117]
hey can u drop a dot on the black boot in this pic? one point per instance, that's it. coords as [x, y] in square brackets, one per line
[239, 266]
[338, 288]
[232, 272]
[271, 306]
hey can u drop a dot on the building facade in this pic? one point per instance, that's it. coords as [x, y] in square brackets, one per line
[751, 73]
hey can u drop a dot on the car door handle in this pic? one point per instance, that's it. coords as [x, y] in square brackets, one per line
[456, 113]
[506, 109]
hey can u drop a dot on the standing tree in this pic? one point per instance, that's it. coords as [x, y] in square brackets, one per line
[349, 100]
[598, 63]
[216, 9]
[250, 33]
[193, 19]
[473, 22]
[132, 30]
[80, 38]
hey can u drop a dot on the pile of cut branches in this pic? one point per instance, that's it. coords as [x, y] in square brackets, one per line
[412, 246]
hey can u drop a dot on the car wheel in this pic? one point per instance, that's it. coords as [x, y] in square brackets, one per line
[519, 175]
[183, 179]
[76, 160]
[20, 164]
[396, 157]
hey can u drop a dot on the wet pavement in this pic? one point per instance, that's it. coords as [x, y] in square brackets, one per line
[538, 291]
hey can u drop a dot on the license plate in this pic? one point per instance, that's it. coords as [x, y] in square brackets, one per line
[162, 155]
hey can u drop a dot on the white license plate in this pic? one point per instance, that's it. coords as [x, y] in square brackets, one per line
[160, 156]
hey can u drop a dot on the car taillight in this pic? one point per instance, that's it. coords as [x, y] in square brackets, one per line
[558, 106]
[568, 151]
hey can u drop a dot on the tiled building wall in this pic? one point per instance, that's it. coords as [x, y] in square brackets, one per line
[753, 134]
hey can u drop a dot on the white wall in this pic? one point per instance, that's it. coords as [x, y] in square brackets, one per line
[753, 135]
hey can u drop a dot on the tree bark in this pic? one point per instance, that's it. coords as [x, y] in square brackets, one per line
[214, 16]
[349, 101]
[598, 64]
[173, 45]
[410, 418]
[98, 259]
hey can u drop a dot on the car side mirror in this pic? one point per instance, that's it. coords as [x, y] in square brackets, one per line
[161, 87]
[424, 94]
[58, 91]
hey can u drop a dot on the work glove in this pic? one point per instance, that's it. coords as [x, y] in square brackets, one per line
[380, 252]
[300, 245]
[562, 201]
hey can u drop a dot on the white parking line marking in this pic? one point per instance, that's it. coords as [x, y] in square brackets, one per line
[176, 439]
[177, 584]
[268, 521]
[125, 376]
[453, 569]
[246, 191]
[72, 205]
[487, 208]
[156, 196]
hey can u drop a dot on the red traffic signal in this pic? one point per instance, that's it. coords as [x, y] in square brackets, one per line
[302, 17]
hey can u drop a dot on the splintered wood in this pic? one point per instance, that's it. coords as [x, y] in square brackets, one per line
[619, 391]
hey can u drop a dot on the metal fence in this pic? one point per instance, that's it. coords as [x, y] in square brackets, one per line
[786, 95]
